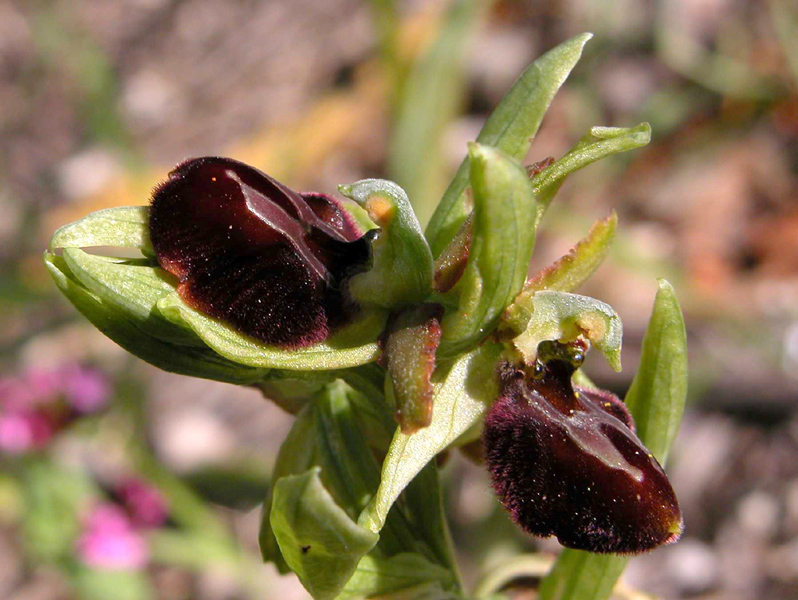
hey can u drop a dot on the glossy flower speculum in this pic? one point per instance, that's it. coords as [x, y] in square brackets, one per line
[250, 251]
[565, 461]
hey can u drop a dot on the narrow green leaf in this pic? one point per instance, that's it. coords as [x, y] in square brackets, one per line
[430, 99]
[659, 390]
[501, 247]
[317, 537]
[579, 575]
[122, 227]
[353, 345]
[185, 360]
[599, 143]
[576, 267]
[551, 315]
[462, 396]
[656, 400]
[510, 128]
[401, 271]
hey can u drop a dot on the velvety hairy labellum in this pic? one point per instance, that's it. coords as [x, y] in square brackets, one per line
[566, 462]
[246, 249]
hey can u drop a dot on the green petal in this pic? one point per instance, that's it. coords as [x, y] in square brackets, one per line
[401, 272]
[550, 315]
[576, 267]
[599, 143]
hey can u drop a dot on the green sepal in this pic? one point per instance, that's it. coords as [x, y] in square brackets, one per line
[656, 401]
[552, 315]
[510, 128]
[575, 268]
[501, 247]
[352, 345]
[133, 287]
[120, 227]
[462, 396]
[196, 361]
[317, 538]
[401, 271]
[599, 143]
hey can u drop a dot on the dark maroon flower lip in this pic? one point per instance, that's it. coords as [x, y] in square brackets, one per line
[250, 251]
[566, 462]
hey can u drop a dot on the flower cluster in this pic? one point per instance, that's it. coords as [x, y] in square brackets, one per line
[38, 404]
[393, 344]
[112, 534]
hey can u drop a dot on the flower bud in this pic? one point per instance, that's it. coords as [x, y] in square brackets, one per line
[566, 462]
[251, 252]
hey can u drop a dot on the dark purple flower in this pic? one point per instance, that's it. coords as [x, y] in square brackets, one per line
[566, 462]
[249, 251]
[144, 503]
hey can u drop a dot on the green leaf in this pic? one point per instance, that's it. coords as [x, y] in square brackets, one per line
[353, 345]
[579, 575]
[406, 576]
[429, 101]
[122, 227]
[659, 390]
[401, 271]
[510, 128]
[462, 396]
[551, 315]
[118, 584]
[328, 434]
[576, 267]
[656, 400]
[196, 361]
[599, 143]
[317, 537]
[501, 248]
[54, 498]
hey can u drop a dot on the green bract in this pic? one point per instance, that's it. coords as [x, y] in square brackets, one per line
[355, 510]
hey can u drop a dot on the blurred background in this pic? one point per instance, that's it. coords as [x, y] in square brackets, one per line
[118, 480]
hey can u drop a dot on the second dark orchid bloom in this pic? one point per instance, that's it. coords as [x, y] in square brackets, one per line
[565, 461]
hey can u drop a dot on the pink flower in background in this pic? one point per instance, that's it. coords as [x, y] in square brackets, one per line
[144, 503]
[24, 431]
[110, 541]
[34, 406]
[87, 390]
